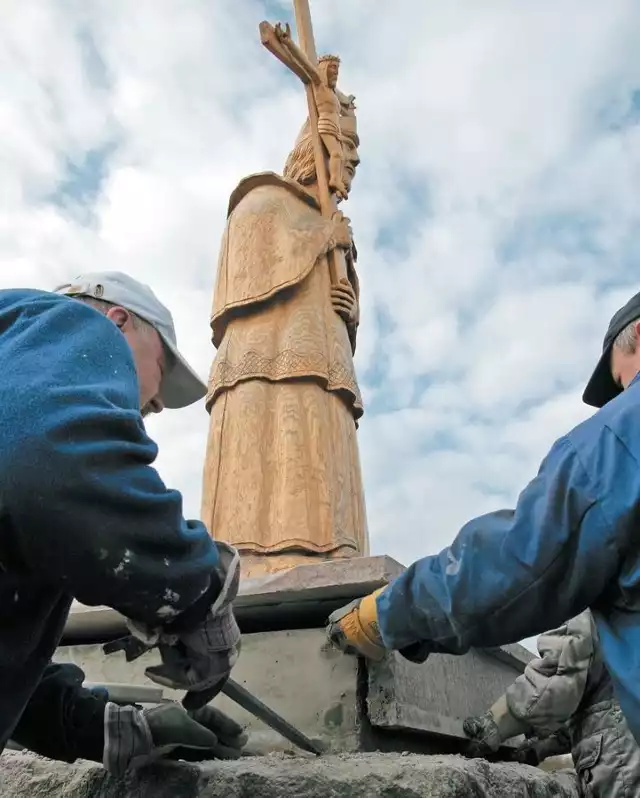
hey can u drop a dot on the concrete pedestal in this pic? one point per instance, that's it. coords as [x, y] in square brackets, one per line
[301, 598]
[342, 702]
[276, 776]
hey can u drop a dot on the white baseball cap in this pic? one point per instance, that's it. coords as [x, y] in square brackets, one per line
[180, 385]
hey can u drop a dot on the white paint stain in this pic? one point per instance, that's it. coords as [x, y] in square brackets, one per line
[167, 612]
[453, 565]
[126, 559]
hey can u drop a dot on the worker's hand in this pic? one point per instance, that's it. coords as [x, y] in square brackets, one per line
[536, 749]
[489, 731]
[201, 660]
[354, 628]
[484, 734]
[527, 753]
[135, 737]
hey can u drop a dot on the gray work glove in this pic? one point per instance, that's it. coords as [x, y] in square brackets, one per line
[536, 749]
[484, 734]
[135, 737]
[201, 660]
[489, 731]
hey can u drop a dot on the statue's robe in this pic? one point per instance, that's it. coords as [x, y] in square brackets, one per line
[282, 471]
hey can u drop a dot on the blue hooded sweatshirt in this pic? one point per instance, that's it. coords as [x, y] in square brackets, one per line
[572, 542]
[83, 514]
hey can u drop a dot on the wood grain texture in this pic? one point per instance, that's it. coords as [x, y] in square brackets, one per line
[282, 478]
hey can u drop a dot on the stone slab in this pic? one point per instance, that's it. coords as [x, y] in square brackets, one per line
[436, 696]
[304, 596]
[294, 672]
[301, 597]
[23, 775]
[336, 699]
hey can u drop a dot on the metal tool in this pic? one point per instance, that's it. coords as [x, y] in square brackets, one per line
[247, 701]
[134, 648]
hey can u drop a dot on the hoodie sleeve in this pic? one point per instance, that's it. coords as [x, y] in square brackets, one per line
[85, 508]
[552, 686]
[514, 573]
[63, 720]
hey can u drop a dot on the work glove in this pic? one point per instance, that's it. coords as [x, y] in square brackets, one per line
[487, 732]
[135, 737]
[199, 661]
[536, 749]
[354, 628]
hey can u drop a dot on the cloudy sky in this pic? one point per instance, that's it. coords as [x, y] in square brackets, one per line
[496, 209]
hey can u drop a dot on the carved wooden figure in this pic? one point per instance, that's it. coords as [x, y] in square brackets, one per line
[282, 479]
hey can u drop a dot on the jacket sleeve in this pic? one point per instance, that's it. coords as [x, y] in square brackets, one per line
[512, 574]
[63, 720]
[86, 510]
[552, 686]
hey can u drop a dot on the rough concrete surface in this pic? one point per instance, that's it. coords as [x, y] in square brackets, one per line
[276, 776]
[317, 688]
[296, 673]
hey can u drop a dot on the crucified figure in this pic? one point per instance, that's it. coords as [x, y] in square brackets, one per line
[329, 102]
[329, 107]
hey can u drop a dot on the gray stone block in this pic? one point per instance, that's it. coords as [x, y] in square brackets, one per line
[436, 696]
[346, 776]
[294, 672]
[334, 698]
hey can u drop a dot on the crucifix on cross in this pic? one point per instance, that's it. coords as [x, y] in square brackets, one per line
[325, 104]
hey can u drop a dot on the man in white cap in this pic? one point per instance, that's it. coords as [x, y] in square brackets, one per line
[571, 542]
[84, 515]
[165, 377]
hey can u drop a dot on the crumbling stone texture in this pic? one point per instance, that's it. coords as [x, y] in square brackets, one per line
[23, 775]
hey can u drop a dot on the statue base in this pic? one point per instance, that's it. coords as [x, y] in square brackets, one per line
[255, 566]
[344, 703]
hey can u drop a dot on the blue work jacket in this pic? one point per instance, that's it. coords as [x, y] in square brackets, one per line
[83, 513]
[572, 542]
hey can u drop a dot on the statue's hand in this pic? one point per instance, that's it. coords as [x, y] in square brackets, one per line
[344, 301]
[283, 34]
[342, 233]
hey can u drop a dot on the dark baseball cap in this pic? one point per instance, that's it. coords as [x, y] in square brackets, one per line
[601, 388]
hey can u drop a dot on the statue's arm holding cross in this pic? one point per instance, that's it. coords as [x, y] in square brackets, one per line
[302, 61]
[327, 98]
[279, 42]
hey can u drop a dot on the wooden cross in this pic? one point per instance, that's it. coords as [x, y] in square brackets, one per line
[303, 61]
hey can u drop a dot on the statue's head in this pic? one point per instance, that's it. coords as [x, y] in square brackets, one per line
[350, 144]
[301, 165]
[328, 67]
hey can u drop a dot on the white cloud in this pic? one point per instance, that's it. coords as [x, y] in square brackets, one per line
[495, 209]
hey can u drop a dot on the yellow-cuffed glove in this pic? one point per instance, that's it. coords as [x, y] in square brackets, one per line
[354, 628]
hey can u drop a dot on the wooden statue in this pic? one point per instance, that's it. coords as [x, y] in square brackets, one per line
[282, 479]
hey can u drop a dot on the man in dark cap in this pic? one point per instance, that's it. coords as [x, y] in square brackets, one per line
[572, 542]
